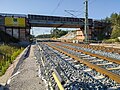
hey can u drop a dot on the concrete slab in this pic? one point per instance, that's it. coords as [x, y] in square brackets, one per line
[10, 70]
[28, 78]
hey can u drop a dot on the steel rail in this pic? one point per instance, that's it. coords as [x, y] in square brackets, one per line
[111, 75]
[94, 55]
[106, 49]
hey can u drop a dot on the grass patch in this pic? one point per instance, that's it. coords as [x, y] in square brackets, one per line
[8, 53]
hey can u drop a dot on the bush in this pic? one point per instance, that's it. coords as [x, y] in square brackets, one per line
[108, 40]
[111, 40]
[117, 40]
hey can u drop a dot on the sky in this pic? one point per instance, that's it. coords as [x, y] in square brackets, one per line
[98, 9]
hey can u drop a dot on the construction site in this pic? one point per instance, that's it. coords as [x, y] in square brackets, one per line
[77, 60]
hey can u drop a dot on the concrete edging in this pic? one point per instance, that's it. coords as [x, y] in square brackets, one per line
[9, 72]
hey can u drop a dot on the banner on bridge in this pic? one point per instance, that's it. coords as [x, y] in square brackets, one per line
[15, 22]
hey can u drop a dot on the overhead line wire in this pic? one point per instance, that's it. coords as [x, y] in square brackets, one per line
[59, 3]
[91, 2]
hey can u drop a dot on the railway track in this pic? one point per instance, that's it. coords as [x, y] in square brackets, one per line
[76, 70]
[94, 53]
[95, 47]
[103, 51]
[105, 62]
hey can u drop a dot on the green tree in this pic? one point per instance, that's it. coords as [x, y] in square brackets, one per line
[57, 33]
[44, 36]
[115, 20]
[115, 32]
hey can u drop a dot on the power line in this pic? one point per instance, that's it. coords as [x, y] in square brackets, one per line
[92, 2]
[74, 15]
[70, 13]
[80, 14]
[74, 11]
[59, 3]
[82, 8]
[78, 11]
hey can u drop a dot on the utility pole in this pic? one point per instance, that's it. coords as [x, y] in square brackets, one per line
[86, 28]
